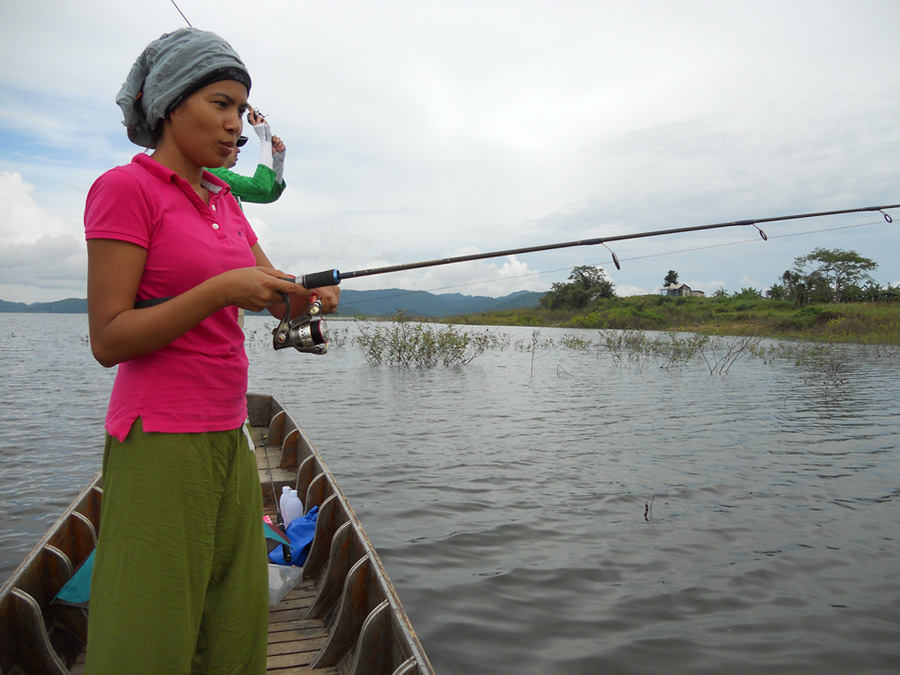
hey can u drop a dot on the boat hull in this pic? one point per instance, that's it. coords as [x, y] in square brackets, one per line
[343, 616]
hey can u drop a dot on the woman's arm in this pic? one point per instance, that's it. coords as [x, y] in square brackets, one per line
[120, 332]
[260, 188]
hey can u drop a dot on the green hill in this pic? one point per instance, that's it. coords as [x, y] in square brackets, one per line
[67, 306]
[353, 303]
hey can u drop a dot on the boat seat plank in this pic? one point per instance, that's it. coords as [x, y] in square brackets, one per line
[76, 535]
[350, 617]
[275, 433]
[371, 656]
[40, 656]
[89, 506]
[304, 448]
[330, 517]
[309, 469]
[318, 490]
[345, 551]
[50, 571]
[408, 667]
[288, 460]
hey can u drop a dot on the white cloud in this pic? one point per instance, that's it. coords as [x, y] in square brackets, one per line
[418, 129]
[22, 221]
[40, 258]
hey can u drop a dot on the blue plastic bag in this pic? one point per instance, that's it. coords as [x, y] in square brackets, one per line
[301, 531]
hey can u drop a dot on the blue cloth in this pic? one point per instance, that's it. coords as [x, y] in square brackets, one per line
[301, 531]
[77, 590]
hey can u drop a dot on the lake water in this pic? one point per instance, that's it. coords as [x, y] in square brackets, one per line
[554, 512]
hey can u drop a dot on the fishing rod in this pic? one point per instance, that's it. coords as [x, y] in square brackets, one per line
[308, 333]
[279, 516]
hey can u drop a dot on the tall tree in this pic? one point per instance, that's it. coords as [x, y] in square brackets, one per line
[835, 269]
[671, 278]
[586, 285]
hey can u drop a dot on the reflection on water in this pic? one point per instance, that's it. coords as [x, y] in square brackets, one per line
[580, 518]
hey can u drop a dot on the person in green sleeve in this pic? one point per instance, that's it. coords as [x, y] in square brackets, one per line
[267, 183]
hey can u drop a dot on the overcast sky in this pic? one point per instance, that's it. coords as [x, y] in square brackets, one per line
[430, 128]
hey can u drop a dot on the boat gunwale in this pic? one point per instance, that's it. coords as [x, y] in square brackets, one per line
[78, 505]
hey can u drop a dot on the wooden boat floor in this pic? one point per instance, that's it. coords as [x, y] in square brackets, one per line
[293, 642]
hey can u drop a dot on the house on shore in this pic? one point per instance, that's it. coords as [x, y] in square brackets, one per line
[680, 291]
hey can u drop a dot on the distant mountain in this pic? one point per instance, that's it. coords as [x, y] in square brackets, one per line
[389, 301]
[353, 303]
[67, 306]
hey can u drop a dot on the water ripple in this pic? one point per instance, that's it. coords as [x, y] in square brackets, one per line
[574, 518]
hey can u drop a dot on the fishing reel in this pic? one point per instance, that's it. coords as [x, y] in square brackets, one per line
[306, 333]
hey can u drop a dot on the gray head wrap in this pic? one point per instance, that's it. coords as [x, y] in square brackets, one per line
[169, 70]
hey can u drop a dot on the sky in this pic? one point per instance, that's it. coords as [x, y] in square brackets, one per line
[423, 129]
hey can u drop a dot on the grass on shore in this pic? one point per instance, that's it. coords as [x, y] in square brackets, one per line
[866, 323]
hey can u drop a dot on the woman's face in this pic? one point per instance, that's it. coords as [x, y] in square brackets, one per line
[204, 128]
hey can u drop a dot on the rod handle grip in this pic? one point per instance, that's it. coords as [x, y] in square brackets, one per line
[320, 279]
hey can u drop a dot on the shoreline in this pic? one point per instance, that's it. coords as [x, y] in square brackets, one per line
[857, 323]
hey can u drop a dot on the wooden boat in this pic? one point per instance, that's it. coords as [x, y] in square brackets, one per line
[343, 617]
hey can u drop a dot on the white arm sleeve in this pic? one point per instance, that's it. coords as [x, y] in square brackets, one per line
[265, 144]
[278, 165]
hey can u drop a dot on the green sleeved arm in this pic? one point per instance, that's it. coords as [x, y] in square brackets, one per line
[260, 188]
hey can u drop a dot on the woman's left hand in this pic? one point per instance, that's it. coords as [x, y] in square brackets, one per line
[329, 296]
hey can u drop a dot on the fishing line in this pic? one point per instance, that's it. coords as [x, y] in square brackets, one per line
[182, 14]
[748, 241]
[190, 25]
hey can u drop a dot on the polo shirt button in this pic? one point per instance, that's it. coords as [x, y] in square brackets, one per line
[213, 207]
[215, 226]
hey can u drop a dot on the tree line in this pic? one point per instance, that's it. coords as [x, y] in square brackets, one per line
[822, 276]
[831, 276]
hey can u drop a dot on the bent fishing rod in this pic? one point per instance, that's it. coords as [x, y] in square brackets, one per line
[307, 333]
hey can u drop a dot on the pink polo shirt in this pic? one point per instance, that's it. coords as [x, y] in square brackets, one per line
[198, 382]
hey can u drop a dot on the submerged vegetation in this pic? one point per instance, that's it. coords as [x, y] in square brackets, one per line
[822, 366]
[416, 344]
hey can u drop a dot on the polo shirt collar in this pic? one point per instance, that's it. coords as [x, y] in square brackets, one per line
[164, 173]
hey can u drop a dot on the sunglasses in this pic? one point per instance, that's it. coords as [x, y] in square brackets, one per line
[241, 141]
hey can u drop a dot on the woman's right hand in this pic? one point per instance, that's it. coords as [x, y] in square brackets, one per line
[255, 288]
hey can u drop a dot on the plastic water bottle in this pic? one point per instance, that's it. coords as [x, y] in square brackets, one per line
[290, 505]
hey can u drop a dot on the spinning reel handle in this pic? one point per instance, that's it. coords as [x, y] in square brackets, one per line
[306, 333]
[320, 279]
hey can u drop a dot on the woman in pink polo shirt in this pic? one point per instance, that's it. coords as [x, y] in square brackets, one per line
[179, 582]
